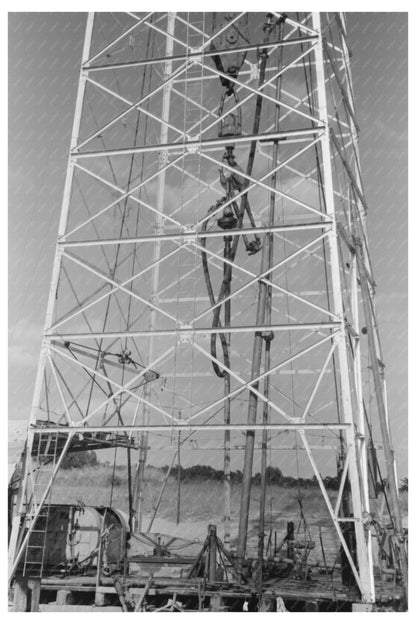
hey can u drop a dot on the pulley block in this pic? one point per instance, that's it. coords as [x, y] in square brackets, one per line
[231, 123]
[230, 37]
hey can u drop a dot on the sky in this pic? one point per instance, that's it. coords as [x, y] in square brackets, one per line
[44, 58]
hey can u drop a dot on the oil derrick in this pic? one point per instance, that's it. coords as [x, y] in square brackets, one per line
[212, 274]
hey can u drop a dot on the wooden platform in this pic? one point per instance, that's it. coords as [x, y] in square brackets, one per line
[88, 441]
[295, 593]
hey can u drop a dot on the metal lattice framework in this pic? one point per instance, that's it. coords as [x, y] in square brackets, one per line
[126, 349]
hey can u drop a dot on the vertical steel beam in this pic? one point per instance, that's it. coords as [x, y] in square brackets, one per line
[384, 425]
[361, 438]
[54, 281]
[364, 256]
[367, 581]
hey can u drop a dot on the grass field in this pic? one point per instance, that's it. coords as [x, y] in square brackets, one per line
[202, 503]
[200, 499]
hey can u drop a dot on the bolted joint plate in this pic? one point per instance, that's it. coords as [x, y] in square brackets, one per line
[254, 70]
[191, 237]
[186, 334]
[195, 147]
[163, 158]
[196, 59]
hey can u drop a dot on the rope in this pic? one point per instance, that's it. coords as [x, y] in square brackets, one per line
[216, 320]
[244, 207]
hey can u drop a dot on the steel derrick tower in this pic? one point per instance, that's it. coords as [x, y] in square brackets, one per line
[212, 273]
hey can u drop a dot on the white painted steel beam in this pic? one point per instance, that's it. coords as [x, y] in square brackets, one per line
[196, 55]
[195, 140]
[189, 426]
[363, 576]
[191, 144]
[189, 331]
[13, 559]
[182, 236]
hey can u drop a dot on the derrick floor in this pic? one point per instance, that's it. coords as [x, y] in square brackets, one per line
[324, 594]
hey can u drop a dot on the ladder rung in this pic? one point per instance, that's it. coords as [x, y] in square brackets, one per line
[34, 546]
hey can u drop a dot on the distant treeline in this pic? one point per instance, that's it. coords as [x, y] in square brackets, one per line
[274, 476]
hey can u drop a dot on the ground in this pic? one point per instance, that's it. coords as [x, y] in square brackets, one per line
[202, 503]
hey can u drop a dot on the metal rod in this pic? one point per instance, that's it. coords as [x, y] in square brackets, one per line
[178, 497]
[365, 580]
[162, 490]
[85, 63]
[206, 53]
[188, 426]
[197, 330]
[257, 346]
[267, 354]
[348, 170]
[55, 272]
[227, 402]
[338, 78]
[192, 235]
[190, 145]
[156, 262]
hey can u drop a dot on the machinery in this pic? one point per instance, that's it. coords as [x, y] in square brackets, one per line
[210, 283]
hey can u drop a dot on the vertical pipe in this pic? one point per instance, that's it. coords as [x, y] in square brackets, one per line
[227, 407]
[265, 434]
[268, 338]
[141, 467]
[162, 490]
[252, 413]
[258, 341]
[212, 559]
[129, 487]
[178, 499]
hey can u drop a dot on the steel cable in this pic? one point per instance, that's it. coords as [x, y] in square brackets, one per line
[244, 207]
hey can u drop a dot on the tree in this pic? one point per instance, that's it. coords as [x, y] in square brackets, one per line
[274, 475]
[404, 485]
[80, 459]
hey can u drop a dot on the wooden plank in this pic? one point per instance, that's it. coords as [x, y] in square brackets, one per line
[81, 608]
[288, 589]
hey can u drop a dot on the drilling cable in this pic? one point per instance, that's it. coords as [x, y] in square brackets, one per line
[244, 207]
